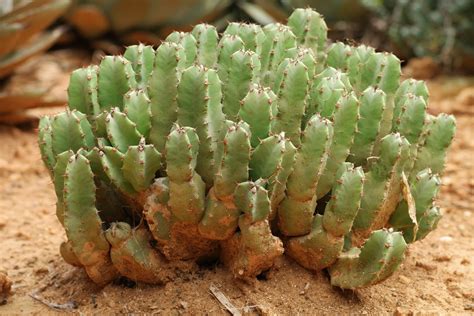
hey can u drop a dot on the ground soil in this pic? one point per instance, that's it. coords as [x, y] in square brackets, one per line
[437, 276]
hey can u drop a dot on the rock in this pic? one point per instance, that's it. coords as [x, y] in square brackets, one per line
[442, 258]
[404, 279]
[422, 68]
[446, 238]
[5, 287]
[469, 307]
[425, 266]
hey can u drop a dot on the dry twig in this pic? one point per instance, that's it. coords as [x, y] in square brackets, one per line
[224, 300]
[67, 306]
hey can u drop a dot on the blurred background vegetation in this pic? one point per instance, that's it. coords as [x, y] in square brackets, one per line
[432, 35]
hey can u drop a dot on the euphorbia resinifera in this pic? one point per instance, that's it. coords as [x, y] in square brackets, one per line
[241, 147]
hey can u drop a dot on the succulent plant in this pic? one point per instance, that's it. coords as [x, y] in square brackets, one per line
[440, 29]
[241, 147]
[93, 18]
[22, 36]
[20, 21]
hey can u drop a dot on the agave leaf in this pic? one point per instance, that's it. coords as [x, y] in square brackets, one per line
[39, 45]
[33, 20]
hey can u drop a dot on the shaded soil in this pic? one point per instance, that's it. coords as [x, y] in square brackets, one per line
[437, 276]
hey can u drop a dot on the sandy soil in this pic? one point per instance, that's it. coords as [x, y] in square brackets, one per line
[437, 276]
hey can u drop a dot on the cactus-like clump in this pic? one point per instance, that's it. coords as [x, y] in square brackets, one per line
[241, 147]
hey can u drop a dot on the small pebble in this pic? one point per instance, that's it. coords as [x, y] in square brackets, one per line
[443, 258]
[426, 266]
[404, 279]
[446, 238]
[469, 307]
[306, 287]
